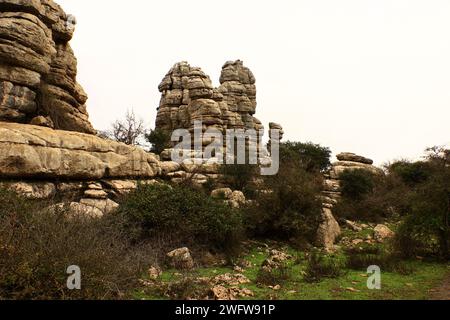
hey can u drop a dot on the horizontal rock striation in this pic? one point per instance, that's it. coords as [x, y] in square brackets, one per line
[188, 96]
[38, 68]
[37, 152]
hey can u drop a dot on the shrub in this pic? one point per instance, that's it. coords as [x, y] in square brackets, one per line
[289, 207]
[426, 229]
[313, 157]
[289, 210]
[37, 246]
[411, 173]
[273, 277]
[183, 212]
[321, 266]
[186, 288]
[240, 177]
[360, 258]
[159, 139]
[356, 184]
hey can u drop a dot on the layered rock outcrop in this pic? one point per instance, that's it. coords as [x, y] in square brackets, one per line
[188, 96]
[347, 161]
[38, 68]
[35, 152]
[43, 163]
[329, 230]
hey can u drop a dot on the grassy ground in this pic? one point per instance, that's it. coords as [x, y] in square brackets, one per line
[352, 285]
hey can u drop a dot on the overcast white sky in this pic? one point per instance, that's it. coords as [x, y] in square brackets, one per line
[368, 76]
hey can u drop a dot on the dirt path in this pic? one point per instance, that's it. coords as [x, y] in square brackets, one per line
[443, 291]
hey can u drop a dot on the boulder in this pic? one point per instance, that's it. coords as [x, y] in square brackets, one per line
[77, 209]
[154, 273]
[328, 231]
[222, 193]
[33, 190]
[348, 156]
[104, 205]
[181, 259]
[95, 194]
[382, 233]
[353, 226]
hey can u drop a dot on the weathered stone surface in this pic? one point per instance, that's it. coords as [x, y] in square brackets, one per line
[28, 151]
[222, 193]
[96, 194]
[188, 96]
[348, 156]
[181, 259]
[121, 187]
[383, 233]
[328, 231]
[341, 166]
[42, 121]
[79, 209]
[38, 68]
[104, 205]
[32, 190]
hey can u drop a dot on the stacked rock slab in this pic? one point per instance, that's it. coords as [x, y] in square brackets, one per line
[347, 161]
[189, 96]
[40, 162]
[329, 229]
[38, 68]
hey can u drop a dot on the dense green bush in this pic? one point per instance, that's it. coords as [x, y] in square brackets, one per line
[411, 173]
[37, 246]
[389, 198]
[289, 208]
[363, 256]
[356, 184]
[241, 177]
[159, 139]
[273, 277]
[321, 266]
[183, 212]
[426, 229]
[312, 157]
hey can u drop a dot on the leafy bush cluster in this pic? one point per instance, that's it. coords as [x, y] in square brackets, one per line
[289, 207]
[241, 177]
[38, 245]
[159, 139]
[418, 193]
[361, 257]
[321, 266]
[183, 212]
[356, 184]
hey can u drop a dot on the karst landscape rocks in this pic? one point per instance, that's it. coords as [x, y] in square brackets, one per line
[48, 145]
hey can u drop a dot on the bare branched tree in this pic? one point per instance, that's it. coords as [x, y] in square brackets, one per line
[129, 130]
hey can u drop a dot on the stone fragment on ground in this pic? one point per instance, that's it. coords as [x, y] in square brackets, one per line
[181, 259]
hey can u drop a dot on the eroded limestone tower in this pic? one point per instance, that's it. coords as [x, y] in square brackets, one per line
[188, 96]
[38, 68]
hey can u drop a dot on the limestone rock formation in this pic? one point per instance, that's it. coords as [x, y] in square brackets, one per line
[348, 156]
[38, 152]
[331, 195]
[38, 68]
[351, 161]
[347, 161]
[188, 96]
[181, 259]
[329, 230]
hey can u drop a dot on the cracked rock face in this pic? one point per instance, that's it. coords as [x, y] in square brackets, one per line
[38, 68]
[188, 96]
